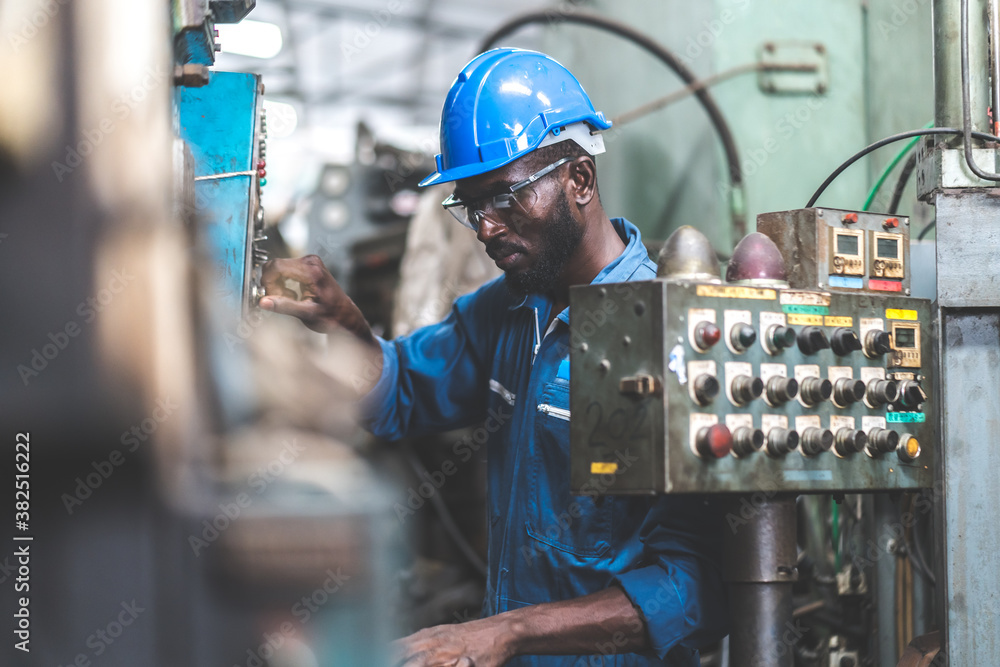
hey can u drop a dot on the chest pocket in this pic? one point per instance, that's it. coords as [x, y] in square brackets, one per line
[580, 525]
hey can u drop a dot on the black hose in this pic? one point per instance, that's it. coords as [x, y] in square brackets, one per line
[445, 515]
[656, 49]
[904, 177]
[923, 232]
[884, 142]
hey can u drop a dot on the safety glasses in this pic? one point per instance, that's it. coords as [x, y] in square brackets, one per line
[506, 207]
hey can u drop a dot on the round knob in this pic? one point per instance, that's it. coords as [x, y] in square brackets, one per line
[742, 336]
[706, 388]
[911, 394]
[816, 441]
[877, 343]
[815, 390]
[848, 441]
[881, 441]
[881, 392]
[745, 389]
[713, 442]
[780, 441]
[706, 334]
[780, 390]
[778, 338]
[844, 341]
[908, 448]
[847, 391]
[811, 340]
[747, 440]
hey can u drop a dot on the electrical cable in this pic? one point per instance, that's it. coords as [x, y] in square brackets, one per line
[886, 141]
[672, 61]
[889, 167]
[967, 104]
[445, 515]
[923, 232]
[904, 177]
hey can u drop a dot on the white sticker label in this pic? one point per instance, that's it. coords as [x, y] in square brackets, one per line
[869, 373]
[867, 324]
[767, 422]
[699, 421]
[733, 370]
[868, 422]
[838, 422]
[802, 422]
[696, 369]
[736, 421]
[696, 316]
[837, 372]
[768, 371]
[731, 319]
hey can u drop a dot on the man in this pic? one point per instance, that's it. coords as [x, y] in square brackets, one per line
[573, 580]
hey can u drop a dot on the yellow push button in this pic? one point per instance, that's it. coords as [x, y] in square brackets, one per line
[908, 449]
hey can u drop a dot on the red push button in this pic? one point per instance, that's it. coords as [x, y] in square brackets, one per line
[714, 442]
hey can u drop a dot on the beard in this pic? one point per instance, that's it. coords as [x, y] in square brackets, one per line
[560, 237]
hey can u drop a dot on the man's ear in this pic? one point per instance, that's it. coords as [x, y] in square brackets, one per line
[582, 184]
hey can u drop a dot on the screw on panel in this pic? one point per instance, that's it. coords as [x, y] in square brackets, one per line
[605, 365]
[639, 308]
[626, 341]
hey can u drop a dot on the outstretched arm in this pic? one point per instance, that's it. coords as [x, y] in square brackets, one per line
[603, 622]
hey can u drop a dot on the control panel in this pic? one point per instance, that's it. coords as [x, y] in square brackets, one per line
[700, 387]
[224, 124]
[851, 251]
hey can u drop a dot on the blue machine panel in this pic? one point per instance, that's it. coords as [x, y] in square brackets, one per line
[222, 124]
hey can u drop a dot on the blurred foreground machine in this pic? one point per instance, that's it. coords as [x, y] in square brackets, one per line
[809, 371]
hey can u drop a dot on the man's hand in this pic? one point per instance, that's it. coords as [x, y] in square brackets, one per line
[482, 643]
[323, 306]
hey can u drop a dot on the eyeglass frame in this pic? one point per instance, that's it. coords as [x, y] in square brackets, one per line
[451, 202]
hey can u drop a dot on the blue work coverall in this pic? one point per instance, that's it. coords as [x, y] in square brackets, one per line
[492, 363]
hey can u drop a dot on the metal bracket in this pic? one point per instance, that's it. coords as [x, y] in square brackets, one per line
[812, 79]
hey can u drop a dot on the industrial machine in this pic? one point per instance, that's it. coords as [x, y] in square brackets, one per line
[761, 383]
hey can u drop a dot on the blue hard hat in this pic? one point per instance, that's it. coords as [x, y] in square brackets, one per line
[504, 104]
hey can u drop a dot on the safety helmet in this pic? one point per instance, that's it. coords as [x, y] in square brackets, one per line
[506, 103]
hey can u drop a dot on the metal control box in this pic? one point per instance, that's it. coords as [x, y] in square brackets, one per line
[817, 391]
[848, 251]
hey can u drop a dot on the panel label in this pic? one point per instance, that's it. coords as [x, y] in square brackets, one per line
[805, 309]
[808, 475]
[867, 324]
[906, 417]
[838, 321]
[838, 422]
[805, 320]
[805, 298]
[768, 371]
[885, 285]
[834, 373]
[767, 422]
[868, 422]
[802, 422]
[601, 468]
[869, 373]
[736, 292]
[900, 314]
[736, 421]
[846, 282]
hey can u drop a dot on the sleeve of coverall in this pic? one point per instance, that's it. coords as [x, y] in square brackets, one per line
[680, 591]
[436, 378]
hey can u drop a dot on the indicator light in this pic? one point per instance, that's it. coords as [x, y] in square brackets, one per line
[908, 449]
[742, 336]
[706, 334]
[778, 338]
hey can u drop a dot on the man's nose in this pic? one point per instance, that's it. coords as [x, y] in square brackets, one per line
[489, 229]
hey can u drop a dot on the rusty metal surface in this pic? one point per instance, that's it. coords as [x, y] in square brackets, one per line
[653, 317]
